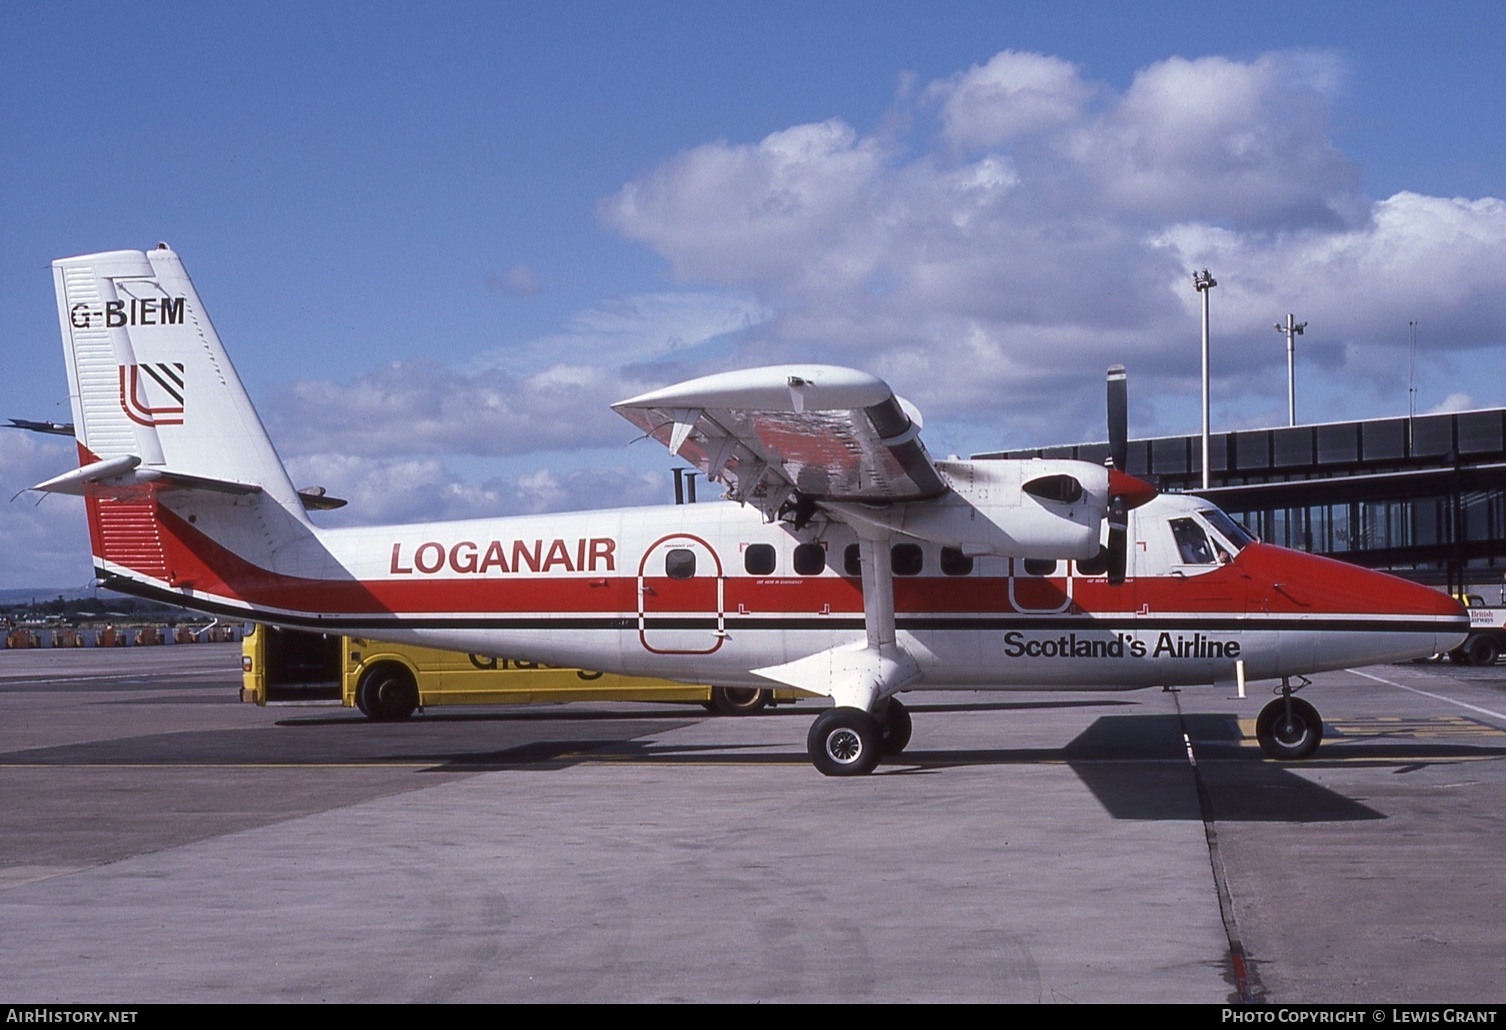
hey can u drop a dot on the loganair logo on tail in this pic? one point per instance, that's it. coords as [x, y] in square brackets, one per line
[152, 394]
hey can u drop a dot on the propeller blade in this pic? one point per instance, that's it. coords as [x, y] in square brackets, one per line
[1118, 549]
[1125, 491]
[1118, 408]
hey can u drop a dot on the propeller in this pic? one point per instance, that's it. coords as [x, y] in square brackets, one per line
[1125, 490]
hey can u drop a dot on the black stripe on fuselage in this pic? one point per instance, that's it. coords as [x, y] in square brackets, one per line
[914, 623]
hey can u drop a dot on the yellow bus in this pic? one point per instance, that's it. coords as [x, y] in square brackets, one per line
[389, 682]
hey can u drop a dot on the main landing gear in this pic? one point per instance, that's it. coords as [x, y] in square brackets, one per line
[1289, 728]
[846, 741]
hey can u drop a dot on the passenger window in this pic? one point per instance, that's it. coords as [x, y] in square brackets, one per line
[758, 559]
[954, 562]
[1192, 542]
[810, 560]
[679, 563]
[908, 559]
[852, 560]
[1040, 566]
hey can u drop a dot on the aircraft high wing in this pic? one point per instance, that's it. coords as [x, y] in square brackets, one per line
[853, 565]
[816, 432]
[789, 440]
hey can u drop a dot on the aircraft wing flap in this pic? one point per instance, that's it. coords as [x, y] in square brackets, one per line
[829, 433]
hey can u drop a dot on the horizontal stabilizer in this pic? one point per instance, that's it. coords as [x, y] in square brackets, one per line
[125, 472]
[55, 428]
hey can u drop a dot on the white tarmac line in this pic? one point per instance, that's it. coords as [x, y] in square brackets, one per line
[1425, 693]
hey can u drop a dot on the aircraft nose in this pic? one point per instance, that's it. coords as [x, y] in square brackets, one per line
[1403, 619]
[1307, 584]
[1330, 585]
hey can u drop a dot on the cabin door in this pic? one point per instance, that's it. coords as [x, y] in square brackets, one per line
[680, 597]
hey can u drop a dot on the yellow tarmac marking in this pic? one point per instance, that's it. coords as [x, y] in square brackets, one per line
[1441, 727]
[1396, 726]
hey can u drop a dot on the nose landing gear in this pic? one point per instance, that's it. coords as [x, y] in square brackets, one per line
[1289, 728]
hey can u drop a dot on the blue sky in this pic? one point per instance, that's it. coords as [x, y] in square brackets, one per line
[438, 239]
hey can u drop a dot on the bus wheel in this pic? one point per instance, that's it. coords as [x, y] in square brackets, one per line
[1483, 651]
[389, 693]
[738, 700]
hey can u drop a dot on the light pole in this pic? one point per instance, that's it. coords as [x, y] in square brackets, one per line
[1292, 329]
[1203, 282]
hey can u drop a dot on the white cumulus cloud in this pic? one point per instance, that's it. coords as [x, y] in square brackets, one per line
[1039, 226]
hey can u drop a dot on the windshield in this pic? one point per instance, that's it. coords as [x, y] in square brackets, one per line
[1232, 531]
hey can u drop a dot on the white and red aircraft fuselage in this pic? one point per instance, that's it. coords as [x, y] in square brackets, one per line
[853, 565]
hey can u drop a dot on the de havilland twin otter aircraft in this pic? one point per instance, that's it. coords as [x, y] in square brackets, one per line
[851, 565]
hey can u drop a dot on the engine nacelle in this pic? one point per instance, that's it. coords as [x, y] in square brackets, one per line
[1035, 508]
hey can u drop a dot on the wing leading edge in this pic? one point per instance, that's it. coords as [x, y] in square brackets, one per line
[824, 432]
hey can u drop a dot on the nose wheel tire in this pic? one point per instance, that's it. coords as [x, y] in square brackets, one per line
[845, 742]
[1286, 737]
[896, 728]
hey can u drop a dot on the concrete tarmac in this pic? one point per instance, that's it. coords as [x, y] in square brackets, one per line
[160, 842]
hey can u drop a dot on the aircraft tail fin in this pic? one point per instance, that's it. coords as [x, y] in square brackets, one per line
[163, 425]
[148, 376]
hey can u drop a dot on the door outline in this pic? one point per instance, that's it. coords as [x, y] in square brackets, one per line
[703, 586]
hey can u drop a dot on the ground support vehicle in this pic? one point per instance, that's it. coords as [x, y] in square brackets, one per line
[1487, 633]
[389, 682]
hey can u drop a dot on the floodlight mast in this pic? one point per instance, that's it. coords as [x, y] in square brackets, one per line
[1203, 283]
[1292, 329]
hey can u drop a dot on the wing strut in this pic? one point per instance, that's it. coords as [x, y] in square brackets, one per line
[862, 674]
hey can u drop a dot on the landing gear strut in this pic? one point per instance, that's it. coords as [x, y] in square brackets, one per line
[1288, 728]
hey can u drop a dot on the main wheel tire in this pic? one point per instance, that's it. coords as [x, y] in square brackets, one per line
[1482, 651]
[845, 742]
[738, 700]
[389, 693]
[1289, 739]
[896, 728]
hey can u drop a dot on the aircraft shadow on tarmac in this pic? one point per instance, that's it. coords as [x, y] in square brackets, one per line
[1135, 765]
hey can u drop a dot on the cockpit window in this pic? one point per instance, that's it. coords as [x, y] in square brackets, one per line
[1233, 532]
[1192, 542]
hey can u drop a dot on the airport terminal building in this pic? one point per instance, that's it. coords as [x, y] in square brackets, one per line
[1424, 497]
